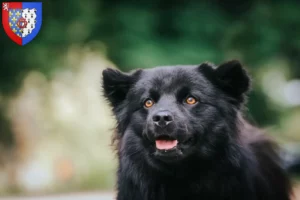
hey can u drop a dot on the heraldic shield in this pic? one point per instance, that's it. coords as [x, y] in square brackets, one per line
[22, 20]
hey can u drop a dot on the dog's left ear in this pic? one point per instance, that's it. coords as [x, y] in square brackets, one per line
[116, 85]
[230, 77]
[233, 78]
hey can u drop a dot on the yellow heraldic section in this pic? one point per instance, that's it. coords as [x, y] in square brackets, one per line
[14, 16]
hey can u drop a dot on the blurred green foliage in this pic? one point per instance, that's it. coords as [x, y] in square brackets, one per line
[141, 34]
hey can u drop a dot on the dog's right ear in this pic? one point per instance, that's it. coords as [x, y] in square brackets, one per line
[116, 85]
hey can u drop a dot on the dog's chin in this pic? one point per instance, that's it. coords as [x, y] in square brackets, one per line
[170, 150]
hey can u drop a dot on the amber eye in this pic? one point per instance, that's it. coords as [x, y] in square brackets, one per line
[191, 100]
[148, 103]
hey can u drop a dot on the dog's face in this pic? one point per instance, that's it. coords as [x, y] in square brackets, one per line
[168, 114]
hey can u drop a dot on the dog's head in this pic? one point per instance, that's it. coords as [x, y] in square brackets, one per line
[168, 114]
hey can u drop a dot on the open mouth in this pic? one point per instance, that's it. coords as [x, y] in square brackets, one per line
[171, 149]
[165, 142]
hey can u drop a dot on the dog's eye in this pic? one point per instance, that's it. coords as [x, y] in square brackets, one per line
[191, 100]
[148, 103]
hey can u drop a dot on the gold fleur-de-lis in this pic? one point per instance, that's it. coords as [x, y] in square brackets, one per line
[14, 30]
[14, 19]
[18, 14]
[10, 24]
[10, 13]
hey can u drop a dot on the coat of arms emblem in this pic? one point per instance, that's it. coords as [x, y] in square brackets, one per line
[22, 20]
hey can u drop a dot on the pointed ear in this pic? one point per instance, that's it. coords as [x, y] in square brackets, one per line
[116, 85]
[233, 78]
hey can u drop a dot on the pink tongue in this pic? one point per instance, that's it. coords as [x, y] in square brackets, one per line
[166, 144]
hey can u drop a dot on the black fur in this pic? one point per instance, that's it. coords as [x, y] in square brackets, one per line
[219, 155]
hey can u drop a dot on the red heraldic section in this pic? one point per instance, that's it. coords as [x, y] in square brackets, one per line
[5, 20]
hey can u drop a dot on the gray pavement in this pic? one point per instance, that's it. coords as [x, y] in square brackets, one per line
[77, 196]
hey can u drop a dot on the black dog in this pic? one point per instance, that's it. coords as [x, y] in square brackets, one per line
[181, 136]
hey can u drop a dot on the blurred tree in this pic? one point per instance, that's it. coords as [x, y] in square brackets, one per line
[64, 23]
[5, 130]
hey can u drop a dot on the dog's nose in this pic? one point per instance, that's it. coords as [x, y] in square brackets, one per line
[162, 118]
